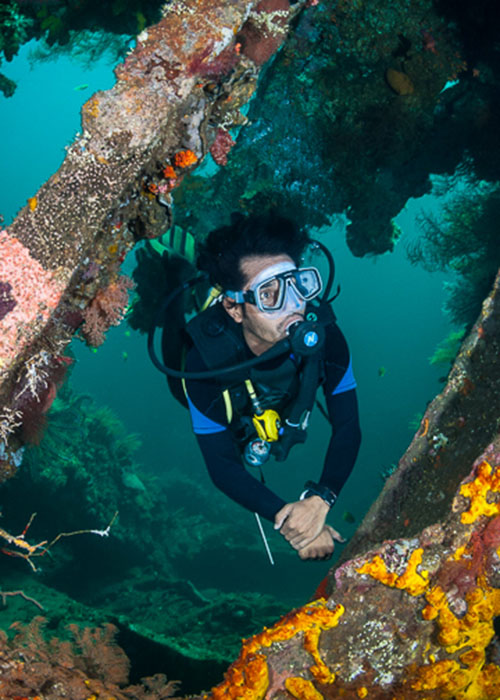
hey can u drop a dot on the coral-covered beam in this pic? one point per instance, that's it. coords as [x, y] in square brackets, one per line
[460, 421]
[177, 94]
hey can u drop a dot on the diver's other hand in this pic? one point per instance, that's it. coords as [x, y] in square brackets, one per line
[302, 521]
[322, 547]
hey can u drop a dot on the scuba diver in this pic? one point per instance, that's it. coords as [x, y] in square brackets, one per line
[256, 357]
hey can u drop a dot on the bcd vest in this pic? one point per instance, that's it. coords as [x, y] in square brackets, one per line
[221, 343]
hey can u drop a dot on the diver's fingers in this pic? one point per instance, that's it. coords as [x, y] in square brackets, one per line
[301, 541]
[335, 535]
[306, 553]
[282, 515]
[320, 548]
[316, 552]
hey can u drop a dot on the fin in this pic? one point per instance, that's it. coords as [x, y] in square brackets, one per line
[176, 240]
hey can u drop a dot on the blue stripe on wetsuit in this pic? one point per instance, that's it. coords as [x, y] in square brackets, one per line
[347, 382]
[202, 425]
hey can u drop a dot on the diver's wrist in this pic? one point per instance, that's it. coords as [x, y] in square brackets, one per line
[313, 489]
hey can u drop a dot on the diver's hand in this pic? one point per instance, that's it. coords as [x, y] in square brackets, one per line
[302, 521]
[322, 547]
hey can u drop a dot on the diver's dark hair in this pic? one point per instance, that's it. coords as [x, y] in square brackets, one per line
[221, 252]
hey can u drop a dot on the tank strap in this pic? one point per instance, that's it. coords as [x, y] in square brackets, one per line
[219, 341]
[228, 404]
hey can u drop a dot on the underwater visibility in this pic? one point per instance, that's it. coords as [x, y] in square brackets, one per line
[249, 350]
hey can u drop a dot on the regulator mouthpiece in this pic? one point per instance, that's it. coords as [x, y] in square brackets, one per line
[306, 337]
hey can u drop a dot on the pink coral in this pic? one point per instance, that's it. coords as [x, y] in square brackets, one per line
[221, 146]
[35, 291]
[106, 309]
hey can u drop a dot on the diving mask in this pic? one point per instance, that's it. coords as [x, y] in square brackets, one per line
[277, 285]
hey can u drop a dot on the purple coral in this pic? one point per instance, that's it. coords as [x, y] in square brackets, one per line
[215, 67]
[7, 301]
[221, 146]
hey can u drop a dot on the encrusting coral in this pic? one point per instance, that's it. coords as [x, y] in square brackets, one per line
[265, 30]
[106, 309]
[30, 292]
[414, 620]
[248, 677]
[486, 481]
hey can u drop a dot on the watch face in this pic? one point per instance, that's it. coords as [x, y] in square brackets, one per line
[312, 489]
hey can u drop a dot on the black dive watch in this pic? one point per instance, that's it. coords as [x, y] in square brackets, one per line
[311, 488]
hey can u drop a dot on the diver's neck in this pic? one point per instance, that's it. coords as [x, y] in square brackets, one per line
[258, 346]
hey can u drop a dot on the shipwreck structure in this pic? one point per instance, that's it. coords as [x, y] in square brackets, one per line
[410, 612]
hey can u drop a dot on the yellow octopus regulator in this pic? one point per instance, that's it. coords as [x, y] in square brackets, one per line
[248, 677]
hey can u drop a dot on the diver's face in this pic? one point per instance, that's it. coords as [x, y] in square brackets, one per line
[262, 329]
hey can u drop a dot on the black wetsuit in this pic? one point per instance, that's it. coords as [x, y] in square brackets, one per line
[223, 456]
